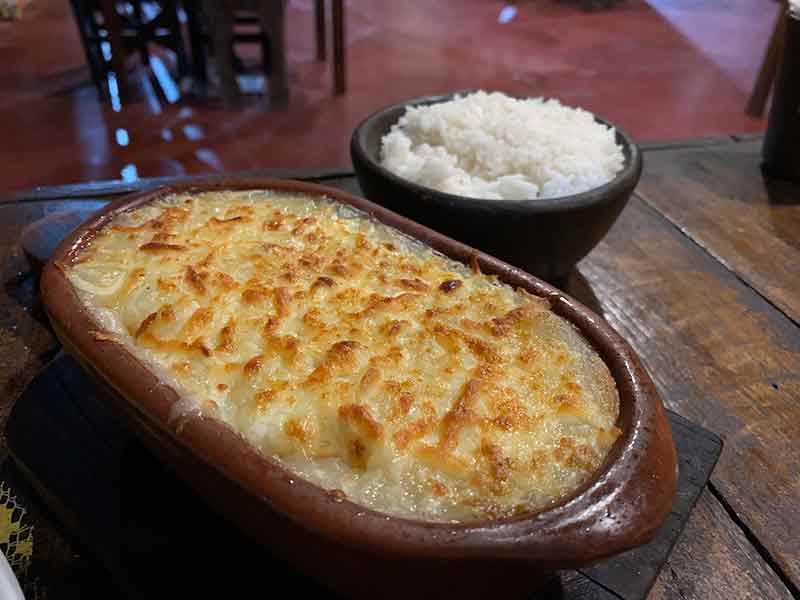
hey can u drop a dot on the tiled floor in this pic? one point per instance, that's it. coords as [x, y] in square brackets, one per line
[662, 69]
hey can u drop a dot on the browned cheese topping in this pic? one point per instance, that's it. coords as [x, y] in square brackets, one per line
[357, 357]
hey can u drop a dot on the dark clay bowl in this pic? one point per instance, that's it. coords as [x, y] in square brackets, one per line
[545, 237]
[354, 550]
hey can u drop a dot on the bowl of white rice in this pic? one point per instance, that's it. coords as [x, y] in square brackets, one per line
[530, 180]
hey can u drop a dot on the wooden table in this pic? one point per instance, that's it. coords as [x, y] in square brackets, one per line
[701, 274]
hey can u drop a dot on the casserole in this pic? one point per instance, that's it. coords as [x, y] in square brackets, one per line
[355, 550]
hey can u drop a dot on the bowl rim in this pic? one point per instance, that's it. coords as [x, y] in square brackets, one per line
[630, 171]
[577, 530]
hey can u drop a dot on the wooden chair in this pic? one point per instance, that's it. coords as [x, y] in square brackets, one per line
[110, 31]
[220, 32]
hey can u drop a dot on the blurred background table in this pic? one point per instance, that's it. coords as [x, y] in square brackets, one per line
[187, 33]
[701, 274]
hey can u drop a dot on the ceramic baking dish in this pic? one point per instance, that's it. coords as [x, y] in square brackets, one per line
[351, 549]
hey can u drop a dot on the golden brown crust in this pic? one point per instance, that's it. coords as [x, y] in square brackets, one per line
[326, 338]
[359, 417]
[194, 279]
[161, 247]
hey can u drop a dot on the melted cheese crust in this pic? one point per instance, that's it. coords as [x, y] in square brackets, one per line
[359, 358]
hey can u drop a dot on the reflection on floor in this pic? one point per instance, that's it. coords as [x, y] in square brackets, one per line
[663, 69]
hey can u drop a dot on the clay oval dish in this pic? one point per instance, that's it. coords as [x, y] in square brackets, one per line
[354, 550]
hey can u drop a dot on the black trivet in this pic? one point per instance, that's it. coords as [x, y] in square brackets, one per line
[157, 539]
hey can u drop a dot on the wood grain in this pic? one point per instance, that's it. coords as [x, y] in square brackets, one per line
[721, 355]
[718, 197]
[713, 561]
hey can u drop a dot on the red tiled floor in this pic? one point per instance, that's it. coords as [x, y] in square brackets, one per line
[665, 69]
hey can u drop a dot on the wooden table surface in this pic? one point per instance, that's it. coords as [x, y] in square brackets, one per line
[701, 274]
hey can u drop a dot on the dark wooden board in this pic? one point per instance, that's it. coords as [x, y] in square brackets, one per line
[698, 450]
[147, 528]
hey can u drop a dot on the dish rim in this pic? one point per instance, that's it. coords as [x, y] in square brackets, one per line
[630, 171]
[576, 530]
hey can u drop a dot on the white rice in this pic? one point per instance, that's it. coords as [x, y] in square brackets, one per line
[496, 147]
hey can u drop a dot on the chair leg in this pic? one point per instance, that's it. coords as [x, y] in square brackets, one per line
[113, 26]
[272, 19]
[144, 54]
[170, 7]
[757, 102]
[197, 45]
[221, 18]
[339, 69]
[92, 50]
[266, 53]
[319, 25]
